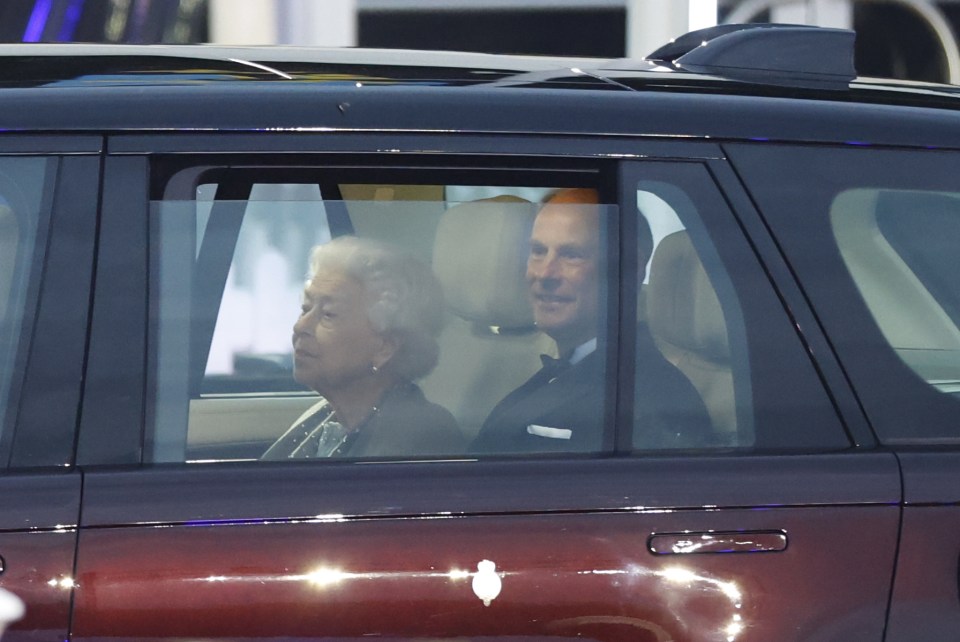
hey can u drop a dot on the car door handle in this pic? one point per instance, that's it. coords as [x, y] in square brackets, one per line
[717, 542]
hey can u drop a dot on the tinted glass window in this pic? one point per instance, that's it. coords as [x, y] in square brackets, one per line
[261, 297]
[22, 182]
[873, 235]
[691, 389]
[377, 321]
[493, 311]
[720, 364]
[900, 248]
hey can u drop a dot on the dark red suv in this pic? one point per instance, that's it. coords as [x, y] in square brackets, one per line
[322, 345]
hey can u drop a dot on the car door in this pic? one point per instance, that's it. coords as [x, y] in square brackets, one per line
[876, 251]
[737, 534]
[48, 205]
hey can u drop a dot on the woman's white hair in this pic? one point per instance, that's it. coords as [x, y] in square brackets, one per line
[404, 299]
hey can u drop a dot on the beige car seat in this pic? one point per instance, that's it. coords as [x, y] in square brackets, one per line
[688, 326]
[489, 345]
[908, 314]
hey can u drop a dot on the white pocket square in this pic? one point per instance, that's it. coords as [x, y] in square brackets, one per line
[548, 432]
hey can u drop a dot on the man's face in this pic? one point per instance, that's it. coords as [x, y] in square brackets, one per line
[563, 273]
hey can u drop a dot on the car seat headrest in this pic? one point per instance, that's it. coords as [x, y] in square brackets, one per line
[480, 258]
[682, 305]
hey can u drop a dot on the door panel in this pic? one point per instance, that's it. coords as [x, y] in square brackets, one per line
[39, 519]
[394, 549]
[872, 234]
[638, 542]
[926, 602]
[38, 568]
[582, 575]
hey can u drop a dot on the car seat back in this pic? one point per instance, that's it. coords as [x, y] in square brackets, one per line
[689, 328]
[489, 345]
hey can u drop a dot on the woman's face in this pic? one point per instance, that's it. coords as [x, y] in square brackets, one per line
[333, 341]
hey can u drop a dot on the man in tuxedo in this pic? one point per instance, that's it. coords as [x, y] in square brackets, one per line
[561, 407]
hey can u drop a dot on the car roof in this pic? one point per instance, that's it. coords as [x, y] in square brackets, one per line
[109, 65]
[112, 64]
[110, 88]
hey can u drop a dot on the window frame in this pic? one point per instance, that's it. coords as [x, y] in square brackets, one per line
[153, 159]
[161, 167]
[45, 395]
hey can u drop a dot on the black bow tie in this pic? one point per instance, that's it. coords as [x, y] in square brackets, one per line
[551, 365]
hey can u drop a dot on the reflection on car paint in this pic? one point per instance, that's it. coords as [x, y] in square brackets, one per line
[12, 609]
[678, 584]
[64, 582]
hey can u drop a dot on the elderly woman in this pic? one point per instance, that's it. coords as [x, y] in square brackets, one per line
[366, 331]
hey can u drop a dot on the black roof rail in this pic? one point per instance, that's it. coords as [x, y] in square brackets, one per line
[772, 54]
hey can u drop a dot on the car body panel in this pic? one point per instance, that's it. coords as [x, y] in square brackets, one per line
[269, 108]
[926, 591]
[912, 411]
[38, 536]
[405, 537]
[454, 515]
[257, 89]
[113, 393]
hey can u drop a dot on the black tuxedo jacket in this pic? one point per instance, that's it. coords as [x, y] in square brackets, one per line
[563, 411]
[556, 410]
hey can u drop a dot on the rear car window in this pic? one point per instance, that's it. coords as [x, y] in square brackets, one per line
[232, 277]
[873, 236]
[531, 350]
[22, 207]
[686, 326]
[900, 249]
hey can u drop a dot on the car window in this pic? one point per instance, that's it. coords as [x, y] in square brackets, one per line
[22, 182]
[248, 346]
[234, 280]
[873, 235]
[261, 296]
[691, 389]
[900, 248]
[719, 362]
